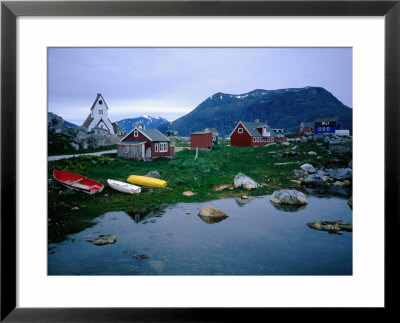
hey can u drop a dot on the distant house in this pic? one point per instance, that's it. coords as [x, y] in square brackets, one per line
[215, 134]
[327, 125]
[254, 134]
[170, 133]
[143, 143]
[118, 129]
[307, 127]
[201, 139]
[98, 117]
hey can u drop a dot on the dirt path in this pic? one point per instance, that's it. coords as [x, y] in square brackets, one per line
[53, 158]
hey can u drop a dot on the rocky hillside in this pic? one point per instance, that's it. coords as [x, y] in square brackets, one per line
[147, 121]
[284, 108]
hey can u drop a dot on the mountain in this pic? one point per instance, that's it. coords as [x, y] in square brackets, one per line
[147, 121]
[70, 124]
[283, 109]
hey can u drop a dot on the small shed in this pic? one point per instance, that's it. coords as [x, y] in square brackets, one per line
[201, 139]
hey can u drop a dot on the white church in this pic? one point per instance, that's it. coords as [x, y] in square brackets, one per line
[98, 120]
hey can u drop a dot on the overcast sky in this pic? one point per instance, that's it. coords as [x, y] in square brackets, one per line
[170, 82]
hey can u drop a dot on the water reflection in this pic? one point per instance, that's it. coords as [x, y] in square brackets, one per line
[328, 191]
[243, 201]
[211, 220]
[288, 207]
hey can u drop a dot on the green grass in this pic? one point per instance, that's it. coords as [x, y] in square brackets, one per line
[212, 168]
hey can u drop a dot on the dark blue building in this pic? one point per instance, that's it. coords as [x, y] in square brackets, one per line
[327, 125]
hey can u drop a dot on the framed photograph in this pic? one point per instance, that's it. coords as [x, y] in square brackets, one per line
[162, 158]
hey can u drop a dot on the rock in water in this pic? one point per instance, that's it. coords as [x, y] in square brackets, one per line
[341, 174]
[350, 202]
[101, 240]
[313, 180]
[288, 197]
[211, 214]
[245, 182]
[331, 226]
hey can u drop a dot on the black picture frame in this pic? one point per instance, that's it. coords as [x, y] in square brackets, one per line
[10, 10]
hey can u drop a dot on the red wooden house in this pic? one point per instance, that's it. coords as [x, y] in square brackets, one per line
[307, 127]
[143, 143]
[254, 134]
[201, 140]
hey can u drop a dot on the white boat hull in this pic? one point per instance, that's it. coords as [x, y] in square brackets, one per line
[124, 187]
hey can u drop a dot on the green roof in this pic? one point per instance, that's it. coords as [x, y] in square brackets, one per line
[252, 128]
[154, 134]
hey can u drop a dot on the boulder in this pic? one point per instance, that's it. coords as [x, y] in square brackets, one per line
[341, 145]
[319, 136]
[288, 197]
[74, 145]
[341, 174]
[304, 139]
[95, 140]
[331, 226]
[102, 240]
[153, 174]
[211, 215]
[313, 180]
[299, 173]
[312, 153]
[308, 168]
[245, 182]
[285, 143]
[189, 193]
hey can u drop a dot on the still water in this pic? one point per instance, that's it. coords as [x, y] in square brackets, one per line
[256, 239]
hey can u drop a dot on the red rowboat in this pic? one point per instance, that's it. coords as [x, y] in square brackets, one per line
[77, 182]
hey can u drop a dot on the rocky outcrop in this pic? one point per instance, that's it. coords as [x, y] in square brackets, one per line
[331, 226]
[102, 240]
[314, 180]
[341, 145]
[245, 182]
[95, 140]
[55, 124]
[341, 174]
[211, 215]
[292, 197]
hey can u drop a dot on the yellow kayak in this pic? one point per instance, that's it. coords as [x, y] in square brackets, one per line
[146, 181]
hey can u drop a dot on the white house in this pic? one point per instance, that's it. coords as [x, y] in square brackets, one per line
[98, 117]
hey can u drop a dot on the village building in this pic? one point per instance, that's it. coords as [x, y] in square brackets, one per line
[97, 120]
[254, 134]
[118, 130]
[201, 140]
[215, 134]
[143, 143]
[307, 127]
[327, 125]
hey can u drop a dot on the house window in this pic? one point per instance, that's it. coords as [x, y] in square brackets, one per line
[100, 111]
[323, 128]
[328, 128]
[100, 102]
[163, 147]
[272, 139]
[156, 148]
[268, 139]
[254, 139]
[240, 130]
[258, 139]
[135, 133]
[319, 128]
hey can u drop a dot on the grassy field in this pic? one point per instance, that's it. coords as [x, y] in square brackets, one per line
[184, 173]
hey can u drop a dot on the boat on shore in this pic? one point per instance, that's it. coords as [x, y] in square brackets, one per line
[146, 181]
[77, 182]
[124, 187]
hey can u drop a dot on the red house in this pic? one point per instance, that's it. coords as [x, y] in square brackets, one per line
[254, 134]
[307, 127]
[143, 143]
[201, 139]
